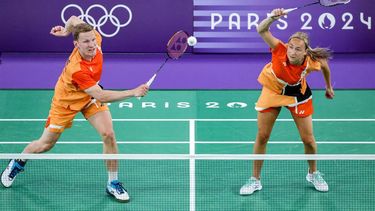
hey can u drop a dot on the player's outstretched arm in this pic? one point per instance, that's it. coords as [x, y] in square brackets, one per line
[264, 28]
[107, 96]
[63, 31]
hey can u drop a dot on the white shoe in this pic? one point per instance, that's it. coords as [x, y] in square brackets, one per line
[317, 180]
[253, 184]
[10, 173]
[116, 190]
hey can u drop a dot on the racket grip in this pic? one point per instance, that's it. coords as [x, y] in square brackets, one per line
[286, 11]
[149, 82]
[290, 10]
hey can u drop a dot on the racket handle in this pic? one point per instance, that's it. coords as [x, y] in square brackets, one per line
[149, 82]
[286, 11]
[290, 10]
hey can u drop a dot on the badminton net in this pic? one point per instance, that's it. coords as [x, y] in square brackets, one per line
[189, 182]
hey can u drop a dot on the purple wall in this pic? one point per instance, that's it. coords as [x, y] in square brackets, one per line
[25, 27]
[40, 71]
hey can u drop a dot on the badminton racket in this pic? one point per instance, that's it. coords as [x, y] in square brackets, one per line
[325, 3]
[176, 47]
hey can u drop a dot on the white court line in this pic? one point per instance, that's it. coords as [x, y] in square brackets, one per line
[197, 142]
[199, 120]
[192, 164]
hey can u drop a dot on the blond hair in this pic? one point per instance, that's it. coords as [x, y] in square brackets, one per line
[81, 28]
[314, 53]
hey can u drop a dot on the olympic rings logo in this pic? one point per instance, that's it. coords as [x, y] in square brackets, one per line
[102, 20]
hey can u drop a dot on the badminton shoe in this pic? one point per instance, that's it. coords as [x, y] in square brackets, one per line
[9, 174]
[317, 180]
[116, 190]
[251, 185]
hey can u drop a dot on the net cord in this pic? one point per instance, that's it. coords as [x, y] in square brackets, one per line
[51, 156]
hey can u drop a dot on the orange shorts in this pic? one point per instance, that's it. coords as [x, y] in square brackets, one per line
[302, 110]
[60, 117]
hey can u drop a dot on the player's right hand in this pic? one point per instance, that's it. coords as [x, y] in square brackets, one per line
[277, 13]
[141, 90]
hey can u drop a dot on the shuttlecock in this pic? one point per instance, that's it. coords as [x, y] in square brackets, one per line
[192, 41]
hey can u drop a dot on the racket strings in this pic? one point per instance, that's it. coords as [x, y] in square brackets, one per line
[177, 45]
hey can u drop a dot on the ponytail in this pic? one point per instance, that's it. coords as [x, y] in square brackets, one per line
[313, 53]
[319, 53]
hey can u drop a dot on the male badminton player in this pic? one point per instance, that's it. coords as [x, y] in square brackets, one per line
[284, 84]
[77, 90]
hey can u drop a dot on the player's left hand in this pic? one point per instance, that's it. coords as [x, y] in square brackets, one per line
[330, 93]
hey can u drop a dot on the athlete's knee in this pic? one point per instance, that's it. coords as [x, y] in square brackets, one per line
[308, 139]
[47, 142]
[108, 135]
[263, 137]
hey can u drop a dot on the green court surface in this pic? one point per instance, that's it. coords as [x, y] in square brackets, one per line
[169, 122]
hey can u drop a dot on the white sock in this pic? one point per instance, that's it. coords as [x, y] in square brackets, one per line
[112, 176]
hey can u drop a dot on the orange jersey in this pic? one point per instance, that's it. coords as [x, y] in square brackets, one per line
[78, 75]
[279, 74]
